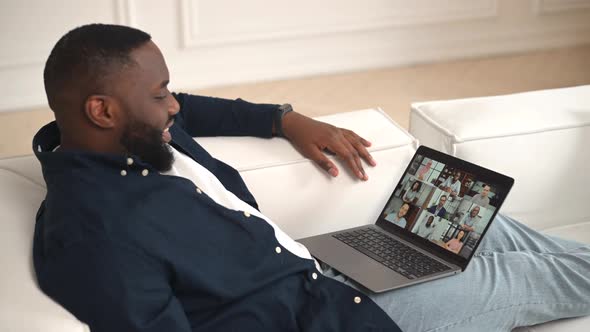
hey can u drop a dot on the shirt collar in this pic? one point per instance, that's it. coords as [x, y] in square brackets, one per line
[48, 138]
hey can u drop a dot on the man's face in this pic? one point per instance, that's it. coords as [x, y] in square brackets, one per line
[430, 221]
[148, 108]
[485, 191]
[442, 201]
[474, 211]
[456, 176]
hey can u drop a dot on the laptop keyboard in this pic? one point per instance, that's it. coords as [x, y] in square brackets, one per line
[392, 253]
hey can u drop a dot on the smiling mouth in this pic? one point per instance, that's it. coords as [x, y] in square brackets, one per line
[169, 125]
[166, 136]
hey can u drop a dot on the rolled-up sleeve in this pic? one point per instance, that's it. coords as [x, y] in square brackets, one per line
[210, 116]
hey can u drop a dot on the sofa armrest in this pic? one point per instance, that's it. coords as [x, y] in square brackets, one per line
[23, 307]
[540, 138]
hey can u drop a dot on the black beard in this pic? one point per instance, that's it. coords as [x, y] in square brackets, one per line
[146, 142]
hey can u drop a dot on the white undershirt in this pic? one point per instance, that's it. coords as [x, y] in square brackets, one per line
[188, 168]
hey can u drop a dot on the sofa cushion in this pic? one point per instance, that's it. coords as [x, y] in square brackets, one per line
[578, 232]
[540, 138]
[23, 307]
[307, 201]
[580, 324]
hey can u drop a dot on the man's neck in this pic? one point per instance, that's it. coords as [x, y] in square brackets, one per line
[92, 145]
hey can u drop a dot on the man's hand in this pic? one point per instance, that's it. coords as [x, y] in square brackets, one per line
[311, 137]
[467, 228]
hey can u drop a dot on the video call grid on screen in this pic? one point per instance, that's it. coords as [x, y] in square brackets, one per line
[445, 205]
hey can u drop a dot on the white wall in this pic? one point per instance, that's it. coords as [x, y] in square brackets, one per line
[218, 42]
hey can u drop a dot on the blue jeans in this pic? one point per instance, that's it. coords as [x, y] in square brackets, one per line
[517, 277]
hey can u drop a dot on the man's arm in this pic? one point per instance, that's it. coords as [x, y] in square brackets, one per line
[209, 116]
[113, 287]
[464, 226]
[456, 189]
[467, 227]
[312, 138]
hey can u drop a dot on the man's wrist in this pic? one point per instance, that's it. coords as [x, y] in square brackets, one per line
[278, 119]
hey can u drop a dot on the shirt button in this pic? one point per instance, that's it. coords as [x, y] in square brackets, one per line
[247, 214]
[199, 190]
[145, 172]
[278, 250]
[314, 276]
[357, 299]
[129, 161]
[123, 172]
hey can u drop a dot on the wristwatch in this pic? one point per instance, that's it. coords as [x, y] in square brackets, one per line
[278, 119]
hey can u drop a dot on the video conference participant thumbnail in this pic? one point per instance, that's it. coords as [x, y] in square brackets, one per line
[398, 217]
[452, 184]
[439, 208]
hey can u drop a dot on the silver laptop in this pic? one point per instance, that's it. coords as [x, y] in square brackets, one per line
[429, 228]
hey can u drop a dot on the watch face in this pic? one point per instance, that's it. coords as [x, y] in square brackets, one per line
[286, 108]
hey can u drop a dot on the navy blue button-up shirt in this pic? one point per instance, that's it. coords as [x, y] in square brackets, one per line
[147, 252]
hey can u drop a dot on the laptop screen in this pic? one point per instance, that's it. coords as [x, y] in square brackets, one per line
[446, 203]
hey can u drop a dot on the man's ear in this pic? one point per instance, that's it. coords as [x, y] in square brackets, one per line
[101, 111]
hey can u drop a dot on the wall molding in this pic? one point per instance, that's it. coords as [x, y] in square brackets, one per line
[542, 7]
[209, 55]
[184, 79]
[192, 38]
[381, 57]
[124, 14]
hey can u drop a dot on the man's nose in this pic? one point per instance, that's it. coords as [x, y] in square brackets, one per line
[174, 107]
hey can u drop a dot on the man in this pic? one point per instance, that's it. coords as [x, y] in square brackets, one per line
[452, 184]
[124, 246]
[399, 217]
[468, 222]
[426, 229]
[439, 209]
[482, 198]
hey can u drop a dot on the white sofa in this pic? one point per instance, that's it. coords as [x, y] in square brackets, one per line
[539, 138]
[274, 171]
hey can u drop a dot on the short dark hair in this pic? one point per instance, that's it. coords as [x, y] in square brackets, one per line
[81, 62]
